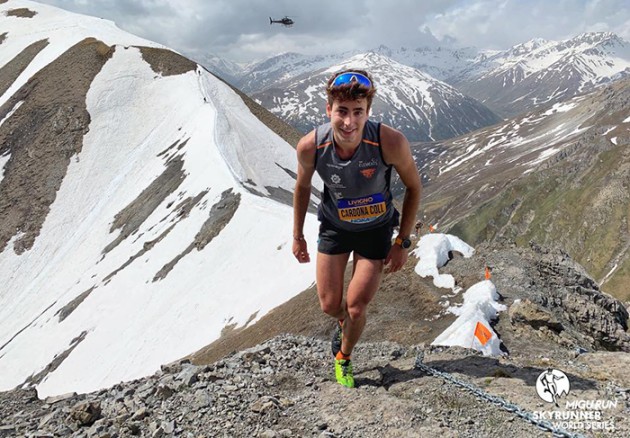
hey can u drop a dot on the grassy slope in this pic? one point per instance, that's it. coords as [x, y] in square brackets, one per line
[584, 211]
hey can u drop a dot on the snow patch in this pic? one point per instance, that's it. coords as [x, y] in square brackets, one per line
[433, 252]
[560, 108]
[544, 155]
[4, 159]
[10, 113]
[480, 302]
[480, 306]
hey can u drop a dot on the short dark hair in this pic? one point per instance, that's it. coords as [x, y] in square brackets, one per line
[352, 91]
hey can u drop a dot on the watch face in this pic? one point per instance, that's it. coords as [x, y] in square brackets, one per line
[406, 243]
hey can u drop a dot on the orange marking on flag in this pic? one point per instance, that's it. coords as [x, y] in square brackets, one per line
[482, 333]
[488, 274]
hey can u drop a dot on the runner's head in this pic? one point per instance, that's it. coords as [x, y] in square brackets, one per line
[350, 84]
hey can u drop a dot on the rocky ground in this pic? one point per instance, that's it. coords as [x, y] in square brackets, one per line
[262, 381]
[284, 388]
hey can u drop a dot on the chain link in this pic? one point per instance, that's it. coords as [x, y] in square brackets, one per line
[497, 401]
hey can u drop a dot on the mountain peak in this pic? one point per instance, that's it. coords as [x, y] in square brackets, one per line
[372, 57]
[533, 44]
[590, 40]
[597, 37]
[375, 61]
[528, 47]
[541, 71]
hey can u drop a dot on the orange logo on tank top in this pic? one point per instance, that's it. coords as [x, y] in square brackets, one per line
[368, 173]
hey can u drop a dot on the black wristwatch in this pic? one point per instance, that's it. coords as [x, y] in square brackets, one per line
[405, 243]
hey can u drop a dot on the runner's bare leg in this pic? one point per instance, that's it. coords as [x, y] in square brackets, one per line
[330, 280]
[365, 281]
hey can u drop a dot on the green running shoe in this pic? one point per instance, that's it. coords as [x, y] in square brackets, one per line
[335, 344]
[343, 372]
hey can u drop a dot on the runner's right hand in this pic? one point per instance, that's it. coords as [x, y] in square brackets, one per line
[300, 250]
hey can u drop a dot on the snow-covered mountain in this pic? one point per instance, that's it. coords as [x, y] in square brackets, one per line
[282, 68]
[140, 204]
[510, 82]
[539, 72]
[438, 62]
[422, 107]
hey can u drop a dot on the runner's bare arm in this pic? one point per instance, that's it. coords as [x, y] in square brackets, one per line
[397, 152]
[302, 193]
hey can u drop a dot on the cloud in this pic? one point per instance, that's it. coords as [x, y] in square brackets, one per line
[239, 30]
[502, 24]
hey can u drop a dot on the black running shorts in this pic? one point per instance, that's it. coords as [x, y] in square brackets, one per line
[372, 244]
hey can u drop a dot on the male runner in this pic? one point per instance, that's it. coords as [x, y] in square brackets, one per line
[354, 157]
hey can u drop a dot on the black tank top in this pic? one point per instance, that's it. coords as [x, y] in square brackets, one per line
[357, 192]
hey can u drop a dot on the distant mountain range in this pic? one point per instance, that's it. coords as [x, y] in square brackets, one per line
[292, 86]
[505, 83]
[423, 108]
[540, 72]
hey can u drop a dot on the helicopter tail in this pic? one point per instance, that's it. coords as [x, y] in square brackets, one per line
[270, 21]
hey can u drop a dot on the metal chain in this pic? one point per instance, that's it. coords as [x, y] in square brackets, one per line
[498, 401]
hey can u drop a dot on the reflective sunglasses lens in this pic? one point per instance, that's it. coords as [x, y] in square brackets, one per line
[348, 78]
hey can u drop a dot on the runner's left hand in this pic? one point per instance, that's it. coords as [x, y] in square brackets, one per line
[396, 259]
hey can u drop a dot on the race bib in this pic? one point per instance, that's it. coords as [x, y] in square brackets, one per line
[361, 210]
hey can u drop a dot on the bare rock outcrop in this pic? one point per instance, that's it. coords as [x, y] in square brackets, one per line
[547, 291]
[46, 130]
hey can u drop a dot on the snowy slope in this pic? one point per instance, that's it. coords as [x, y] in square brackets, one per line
[557, 175]
[135, 315]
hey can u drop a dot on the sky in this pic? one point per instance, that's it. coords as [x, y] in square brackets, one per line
[239, 30]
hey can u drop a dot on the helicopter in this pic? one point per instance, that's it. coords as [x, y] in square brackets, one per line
[285, 21]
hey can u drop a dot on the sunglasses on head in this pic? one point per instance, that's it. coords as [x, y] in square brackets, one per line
[350, 77]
